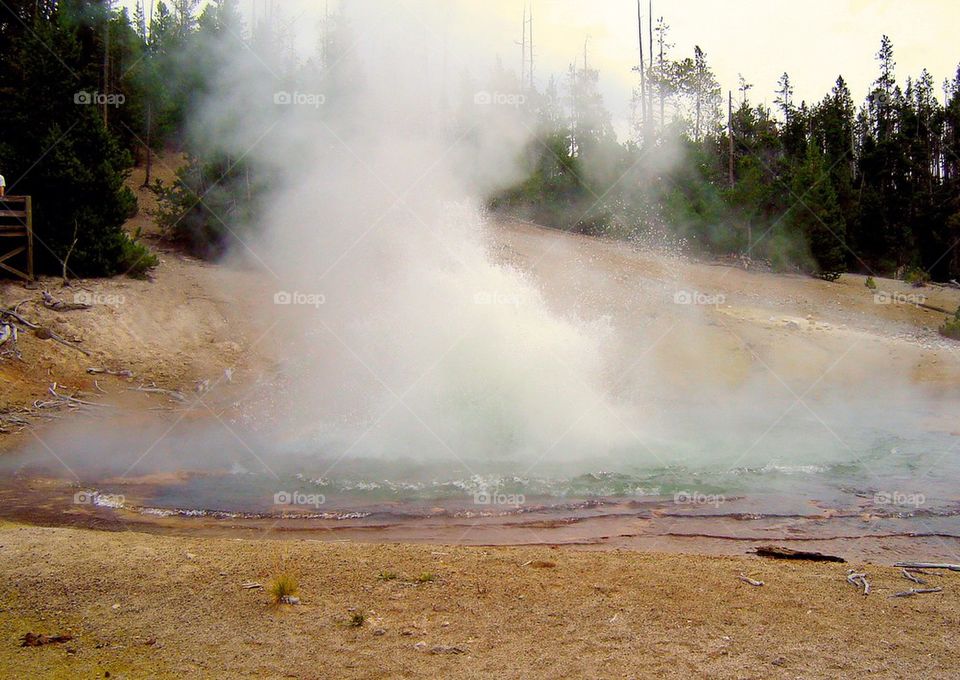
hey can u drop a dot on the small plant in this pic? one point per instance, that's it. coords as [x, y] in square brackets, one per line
[829, 275]
[917, 277]
[357, 620]
[135, 258]
[388, 576]
[426, 577]
[870, 283]
[951, 327]
[283, 588]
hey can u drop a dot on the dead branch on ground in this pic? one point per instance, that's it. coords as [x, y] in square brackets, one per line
[917, 591]
[58, 305]
[859, 580]
[153, 389]
[927, 565]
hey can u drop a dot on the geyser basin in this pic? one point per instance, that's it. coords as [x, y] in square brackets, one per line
[866, 504]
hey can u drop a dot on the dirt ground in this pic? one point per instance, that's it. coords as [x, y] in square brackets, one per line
[185, 325]
[140, 605]
[163, 607]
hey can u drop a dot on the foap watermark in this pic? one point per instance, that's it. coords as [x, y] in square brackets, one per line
[487, 98]
[698, 498]
[284, 297]
[297, 98]
[484, 496]
[104, 500]
[899, 498]
[84, 98]
[92, 299]
[487, 297]
[314, 500]
[695, 297]
[882, 298]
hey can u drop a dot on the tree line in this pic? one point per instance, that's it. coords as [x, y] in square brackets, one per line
[829, 186]
[826, 187]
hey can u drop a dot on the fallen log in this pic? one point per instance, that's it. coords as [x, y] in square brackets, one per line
[781, 553]
[934, 308]
[917, 591]
[927, 565]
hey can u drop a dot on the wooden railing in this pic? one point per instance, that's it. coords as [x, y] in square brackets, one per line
[16, 223]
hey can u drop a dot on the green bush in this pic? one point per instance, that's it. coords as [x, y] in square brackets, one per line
[951, 327]
[870, 283]
[207, 205]
[916, 276]
[136, 259]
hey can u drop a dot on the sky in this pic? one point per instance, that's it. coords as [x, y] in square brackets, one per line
[814, 41]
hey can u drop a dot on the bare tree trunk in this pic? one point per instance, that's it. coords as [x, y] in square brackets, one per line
[149, 168]
[530, 60]
[663, 116]
[643, 75]
[730, 131]
[650, 42]
[106, 70]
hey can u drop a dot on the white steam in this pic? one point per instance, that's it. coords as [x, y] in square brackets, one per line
[422, 345]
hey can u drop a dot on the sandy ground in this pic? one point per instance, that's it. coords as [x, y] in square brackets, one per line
[185, 325]
[163, 607]
[142, 605]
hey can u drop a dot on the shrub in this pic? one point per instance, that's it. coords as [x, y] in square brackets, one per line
[916, 276]
[283, 587]
[207, 205]
[357, 620]
[135, 258]
[951, 327]
[870, 283]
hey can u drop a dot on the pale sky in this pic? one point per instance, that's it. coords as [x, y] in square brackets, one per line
[814, 41]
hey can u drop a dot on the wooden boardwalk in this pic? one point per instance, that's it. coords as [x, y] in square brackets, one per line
[16, 236]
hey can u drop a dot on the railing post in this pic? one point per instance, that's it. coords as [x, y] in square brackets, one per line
[29, 209]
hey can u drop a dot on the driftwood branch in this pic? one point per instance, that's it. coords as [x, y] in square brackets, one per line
[72, 400]
[912, 577]
[47, 334]
[859, 580]
[58, 305]
[41, 332]
[16, 317]
[927, 565]
[153, 389]
[917, 591]
[750, 581]
[107, 371]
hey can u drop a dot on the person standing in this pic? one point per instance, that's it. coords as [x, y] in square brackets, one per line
[3, 186]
